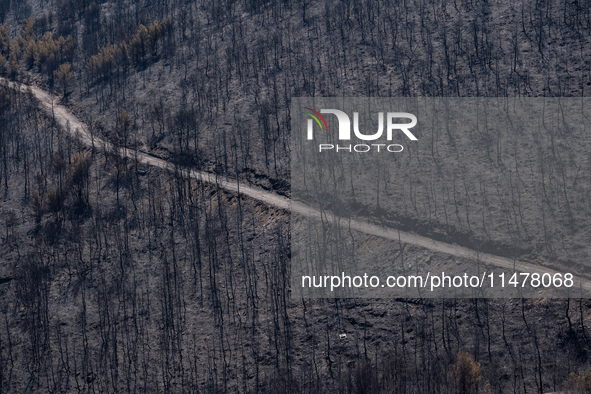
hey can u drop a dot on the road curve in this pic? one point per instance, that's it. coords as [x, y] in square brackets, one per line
[77, 128]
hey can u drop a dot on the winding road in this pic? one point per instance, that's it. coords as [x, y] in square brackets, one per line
[77, 128]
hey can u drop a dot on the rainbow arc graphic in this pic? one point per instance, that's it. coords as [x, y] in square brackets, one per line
[315, 116]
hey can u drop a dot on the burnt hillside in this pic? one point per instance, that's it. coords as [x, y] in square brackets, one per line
[116, 276]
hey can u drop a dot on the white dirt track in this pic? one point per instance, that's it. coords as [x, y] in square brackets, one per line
[77, 128]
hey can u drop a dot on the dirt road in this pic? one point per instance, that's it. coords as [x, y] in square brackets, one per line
[70, 122]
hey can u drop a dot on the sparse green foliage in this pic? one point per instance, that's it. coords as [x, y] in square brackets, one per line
[30, 51]
[4, 40]
[104, 63]
[50, 52]
[580, 383]
[3, 65]
[122, 128]
[64, 77]
[54, 200]
[147, 38]
[465, 374]
[138, 44]
[112, 58]
[37, 204]
[47, 53]
[68, 189]
[78, 177]
[13, 65]
[57, 164]
[28, 31]
[4, 97]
